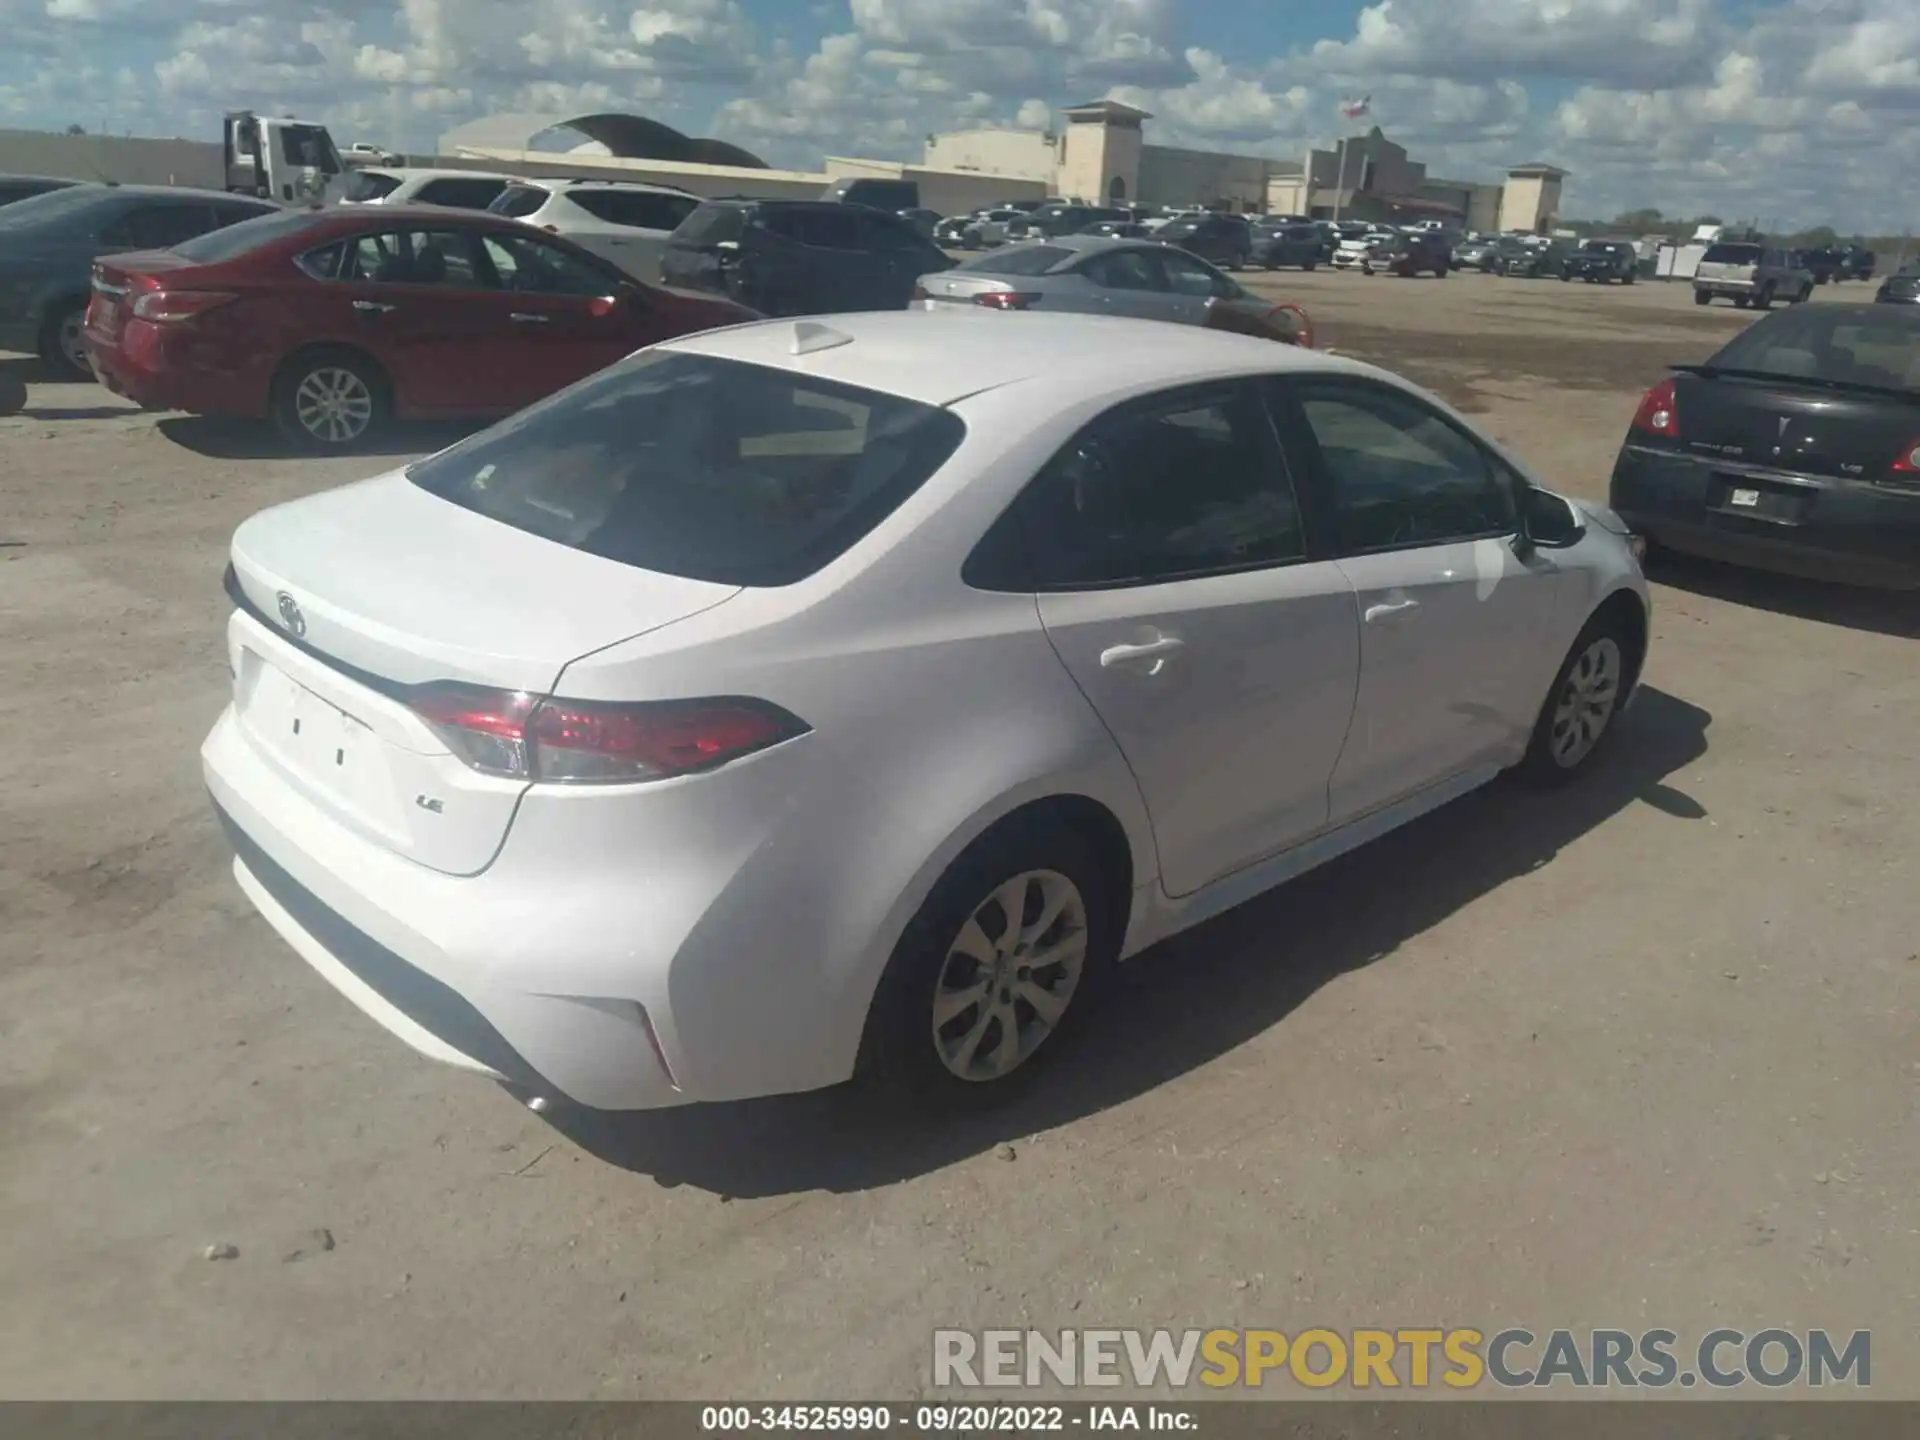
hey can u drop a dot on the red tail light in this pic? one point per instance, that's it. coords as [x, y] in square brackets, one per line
[168, 307]
[1658, 415]
[530, 737]
[1909, 461]
[1004, 300]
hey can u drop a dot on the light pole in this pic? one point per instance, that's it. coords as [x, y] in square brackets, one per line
[1339, 179]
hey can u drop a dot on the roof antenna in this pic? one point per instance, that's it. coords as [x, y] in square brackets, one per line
[810, 336]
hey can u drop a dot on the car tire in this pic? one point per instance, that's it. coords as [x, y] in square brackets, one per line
[1804, 294]
[1308, 266]
[1627, 279]
[1764, 300]
[331, 400]
[1742, 302]
[1582, 708]
[60, 345]
[910, 1053]
[1701, 297]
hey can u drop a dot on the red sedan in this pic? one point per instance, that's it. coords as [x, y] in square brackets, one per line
[333, 322]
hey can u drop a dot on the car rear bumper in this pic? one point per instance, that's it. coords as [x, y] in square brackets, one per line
[616, 962]
[1725, 287]
[159, 371]
[1830, 530]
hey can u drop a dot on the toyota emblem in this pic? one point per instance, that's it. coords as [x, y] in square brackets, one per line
[290, 615]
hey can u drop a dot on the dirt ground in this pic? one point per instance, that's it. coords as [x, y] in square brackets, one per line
[1643, 1053]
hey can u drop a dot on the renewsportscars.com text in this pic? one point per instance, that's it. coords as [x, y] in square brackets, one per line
[1380, 1359]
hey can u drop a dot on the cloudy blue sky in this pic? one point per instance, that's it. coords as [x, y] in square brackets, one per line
[1794, 111]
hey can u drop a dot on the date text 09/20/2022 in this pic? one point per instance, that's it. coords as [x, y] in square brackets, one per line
[945, 1419]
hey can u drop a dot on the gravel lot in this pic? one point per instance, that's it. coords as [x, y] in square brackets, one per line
[1643, 1053]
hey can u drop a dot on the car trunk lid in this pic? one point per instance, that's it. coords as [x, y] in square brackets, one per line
[354, 600]
[1804, 429]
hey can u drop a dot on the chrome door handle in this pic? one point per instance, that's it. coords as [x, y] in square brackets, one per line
[521, 317]
[1150, 650]
[371, 307]
[1388, 609]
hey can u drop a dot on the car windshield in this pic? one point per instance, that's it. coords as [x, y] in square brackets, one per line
[1835, 345]
[51, 208]
[1019, 260]
[248, 236]
[708, 468]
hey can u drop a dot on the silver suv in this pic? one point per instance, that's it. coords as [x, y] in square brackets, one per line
[1748, 273]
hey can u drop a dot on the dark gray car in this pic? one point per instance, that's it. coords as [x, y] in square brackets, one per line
[48, 245]
[25, 187]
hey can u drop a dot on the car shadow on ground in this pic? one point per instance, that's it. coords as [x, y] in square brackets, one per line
[1182, 1004]
[225, 439]
[18, 372]
[1881, 612]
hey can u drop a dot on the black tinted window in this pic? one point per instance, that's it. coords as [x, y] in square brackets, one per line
[1732, 255]
[689, 465]
[1177, 486]
[461, 194]
[712, 225]
[519, 201]
[637, 208]
[411, 257]
[1019, 260]
[249, 235]
[533, 267]
[159, 227]
[1401, 475]
[1125, 270]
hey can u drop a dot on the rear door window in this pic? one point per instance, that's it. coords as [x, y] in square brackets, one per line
[413, 257]
[1125, 270]
[533, 267]
[1189, 276]
[1184, 484]
[696, 466]
[159, 227]
[1731, 255]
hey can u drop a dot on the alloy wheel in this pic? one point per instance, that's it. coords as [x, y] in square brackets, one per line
[1587, 700]
[1009, 975]
[73, 348]
[333, 404]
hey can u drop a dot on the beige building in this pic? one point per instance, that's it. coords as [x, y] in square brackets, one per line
[1025, 154]
[1531, 201]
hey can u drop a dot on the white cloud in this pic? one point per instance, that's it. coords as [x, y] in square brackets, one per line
[1800, 109]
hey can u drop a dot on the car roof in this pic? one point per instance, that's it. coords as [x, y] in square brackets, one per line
[589, 182]
[355, 217]
[169, 192]
[940, 357]
[11, 176]
[408, 172]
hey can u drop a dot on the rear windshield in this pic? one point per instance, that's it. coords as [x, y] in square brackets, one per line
[364, 185]
[690, 465]
[1842, 346]
[247, 236]
[1732, 255]
[1019, 260]
[52, 207]
[711, 225]
[517, 201]
[1175, 228]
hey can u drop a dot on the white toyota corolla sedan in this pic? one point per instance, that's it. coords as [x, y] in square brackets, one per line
[821, 697]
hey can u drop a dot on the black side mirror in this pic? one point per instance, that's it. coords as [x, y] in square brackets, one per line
[1548, 521]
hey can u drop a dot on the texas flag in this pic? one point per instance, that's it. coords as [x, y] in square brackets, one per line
[1355, 109]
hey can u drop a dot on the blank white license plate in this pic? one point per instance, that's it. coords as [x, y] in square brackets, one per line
[1748, 498]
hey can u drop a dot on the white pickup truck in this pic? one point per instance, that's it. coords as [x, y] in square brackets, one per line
[1750, 274]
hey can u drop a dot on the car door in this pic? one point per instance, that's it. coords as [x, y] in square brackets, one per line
[1130, 282]
[1453, 614]
[1192, 286]
[630, 226]
[1175, 578]
[567, 314]
[893, 258]
[416, 299]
